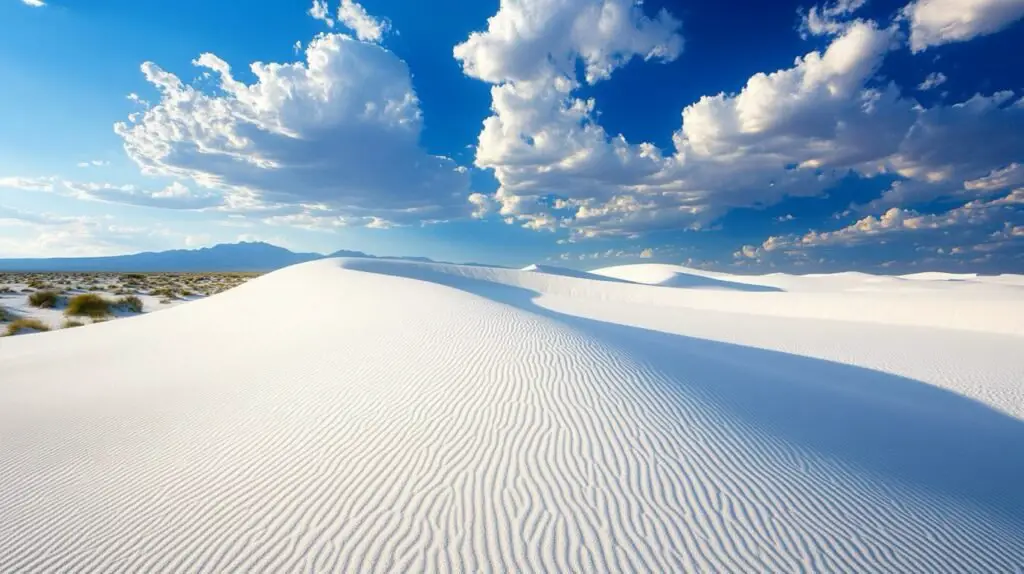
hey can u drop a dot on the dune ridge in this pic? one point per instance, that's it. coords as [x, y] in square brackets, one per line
[426, 417]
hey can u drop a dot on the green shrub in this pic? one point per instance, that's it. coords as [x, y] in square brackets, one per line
[88, 305]
[44, 299]
[16, 327]
[129, 303]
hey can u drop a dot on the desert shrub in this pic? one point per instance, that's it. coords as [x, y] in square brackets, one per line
[26, 324]
[88, 305]
[129, 303]
[44, 299]
[165, 292]
[6, 315]
[70, 323]
[130, 277]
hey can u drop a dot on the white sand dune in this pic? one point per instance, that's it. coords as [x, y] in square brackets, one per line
[678, 276]
[366, 415]
[566, 272]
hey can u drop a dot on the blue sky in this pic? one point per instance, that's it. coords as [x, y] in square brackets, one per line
[749, 136]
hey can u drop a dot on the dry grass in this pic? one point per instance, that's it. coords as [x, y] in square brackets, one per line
[129, 303]
[16, 327]
[44, 299]
[88, 305]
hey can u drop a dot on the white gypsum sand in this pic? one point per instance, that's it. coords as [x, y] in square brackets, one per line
[364, 415]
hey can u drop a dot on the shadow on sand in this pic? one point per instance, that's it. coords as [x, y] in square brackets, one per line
[690, 281]
[923, 436]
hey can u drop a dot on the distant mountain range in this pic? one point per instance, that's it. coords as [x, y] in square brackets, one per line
[245, 256]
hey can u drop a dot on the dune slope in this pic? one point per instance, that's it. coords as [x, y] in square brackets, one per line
[362, 415]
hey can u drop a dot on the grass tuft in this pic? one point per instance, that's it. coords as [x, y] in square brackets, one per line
[88, 305]
[19, 325]
[44, 299]
[129, 303]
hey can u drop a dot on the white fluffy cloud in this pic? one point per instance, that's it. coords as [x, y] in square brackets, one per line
[542, 40]
[937, 22]
[337, 133]
[779, 136]
[792, 132]
[353, 16]
[34, 3]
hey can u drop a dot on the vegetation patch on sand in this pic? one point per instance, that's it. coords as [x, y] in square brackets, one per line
[22, 326]
[44, 299]
[89, 305]
[69, 299]
[129, 303]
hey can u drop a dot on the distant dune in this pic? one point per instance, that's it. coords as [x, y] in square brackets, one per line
[677, 276]
[370, 415]
[566, 272]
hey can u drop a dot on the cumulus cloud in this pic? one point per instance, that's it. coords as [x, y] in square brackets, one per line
[34, 3]
[530, 52]
[541, 41]
[337, 132]
[785, 133]
[793, 132]
[937, 22]
[933, 80]
[353, 16]
[988, 225]
[482, 205]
